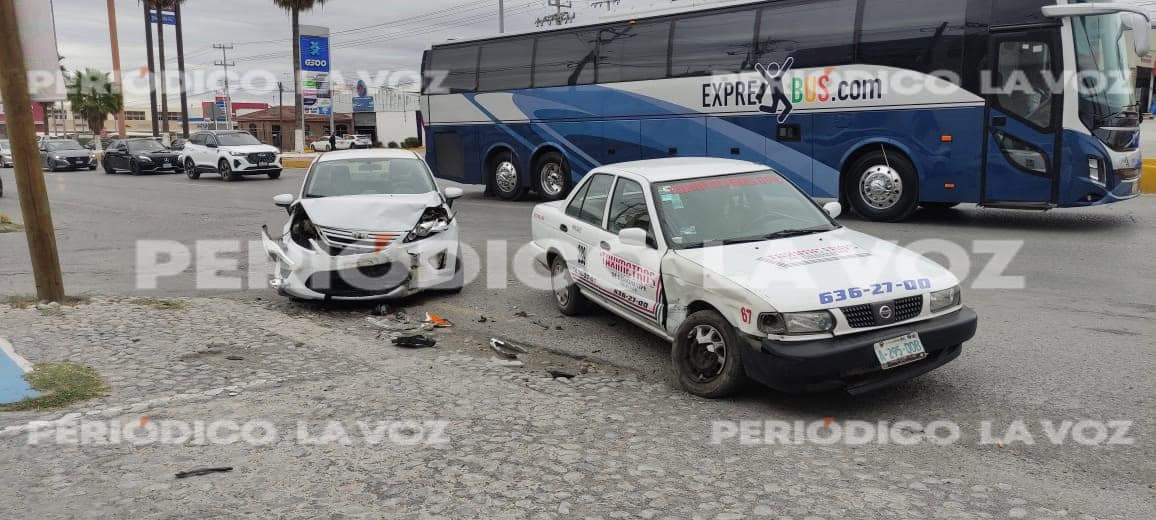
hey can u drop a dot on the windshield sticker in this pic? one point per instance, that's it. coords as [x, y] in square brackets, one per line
[689, 230]
[818, 255]
[674, 200]
[715, 184]
[875, 289]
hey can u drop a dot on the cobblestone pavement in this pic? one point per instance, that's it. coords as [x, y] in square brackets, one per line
[517, 443]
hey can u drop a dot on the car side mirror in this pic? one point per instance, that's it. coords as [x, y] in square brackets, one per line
[284, 200]
[453, 194]
[834, 209]
[635, 237]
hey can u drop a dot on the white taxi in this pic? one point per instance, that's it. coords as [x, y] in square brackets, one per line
[749, 278]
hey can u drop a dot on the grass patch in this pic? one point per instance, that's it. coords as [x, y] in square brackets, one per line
[24, 301]
[160, 304]
[8, 226]
[62, 384]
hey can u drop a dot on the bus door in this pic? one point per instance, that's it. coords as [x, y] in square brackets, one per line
[1022, 145]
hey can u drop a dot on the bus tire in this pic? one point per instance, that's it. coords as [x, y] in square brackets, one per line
[505, 179]
[883, 188]
[552, 174]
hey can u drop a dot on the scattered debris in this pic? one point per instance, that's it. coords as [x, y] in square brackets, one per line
[482, 319]
[202, 471]
[418, 341]
[507, 349]
[383, 309]
[393, 325]
[540, 324]
[521, 314]
[557, 327]
[511, 363]
[437, 321]
[234, 358]
[565, 374]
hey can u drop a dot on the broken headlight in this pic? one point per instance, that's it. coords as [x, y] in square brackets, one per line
[302, 230]
[433, 221]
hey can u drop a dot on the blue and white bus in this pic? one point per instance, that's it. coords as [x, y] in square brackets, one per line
[887, 105]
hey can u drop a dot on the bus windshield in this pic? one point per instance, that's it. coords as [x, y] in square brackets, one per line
[1106, 92]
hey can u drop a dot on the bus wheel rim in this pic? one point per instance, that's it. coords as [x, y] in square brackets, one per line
[552, 180]
[881, 187]
[506, 176]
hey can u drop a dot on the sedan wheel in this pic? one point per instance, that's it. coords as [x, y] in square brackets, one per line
[707, 356]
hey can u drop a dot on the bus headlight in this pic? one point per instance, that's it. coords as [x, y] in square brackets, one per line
[1096, 169]
[796, 323]
[946, 299]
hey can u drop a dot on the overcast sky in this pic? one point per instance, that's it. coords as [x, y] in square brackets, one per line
[260, 32]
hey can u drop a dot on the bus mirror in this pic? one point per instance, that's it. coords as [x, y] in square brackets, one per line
[1141, 32]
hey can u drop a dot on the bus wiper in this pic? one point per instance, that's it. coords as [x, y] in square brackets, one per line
[788, 233]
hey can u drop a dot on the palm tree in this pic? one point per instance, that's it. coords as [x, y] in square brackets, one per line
[295, 7]
[94, 96]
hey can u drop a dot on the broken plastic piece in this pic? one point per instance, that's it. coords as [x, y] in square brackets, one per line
[565, 374]
[418, 341]
[392, 327]
[437, 321]
[202, 471]
[507, 349]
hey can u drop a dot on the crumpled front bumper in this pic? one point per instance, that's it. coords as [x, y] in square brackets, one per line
[397, 271]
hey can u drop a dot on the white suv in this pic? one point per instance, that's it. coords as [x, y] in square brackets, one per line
[230, 153]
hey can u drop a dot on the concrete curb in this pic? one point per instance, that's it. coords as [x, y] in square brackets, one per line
[1148, 176]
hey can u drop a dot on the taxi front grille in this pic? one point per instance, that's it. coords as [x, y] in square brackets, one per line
[865, 316]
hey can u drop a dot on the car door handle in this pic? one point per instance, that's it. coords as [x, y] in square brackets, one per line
[563, 228]
[604, 245]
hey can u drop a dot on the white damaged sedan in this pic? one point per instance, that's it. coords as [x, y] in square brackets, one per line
[748, 278]
[367, 224]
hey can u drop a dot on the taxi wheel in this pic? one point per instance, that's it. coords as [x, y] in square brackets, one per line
[505, 179]
[883, 187]
[570, 300]
[707, 356]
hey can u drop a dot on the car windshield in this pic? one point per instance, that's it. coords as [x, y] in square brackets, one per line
[145, 146]
[737, 208]
[369, 177]
[56, 146]
[237, 139]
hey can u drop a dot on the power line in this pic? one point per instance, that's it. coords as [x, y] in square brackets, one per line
[224, 62]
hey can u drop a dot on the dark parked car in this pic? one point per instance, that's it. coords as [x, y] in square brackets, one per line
[139, 156]
[66, 154]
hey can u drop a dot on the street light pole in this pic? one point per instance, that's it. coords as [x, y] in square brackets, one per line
[114, 39]
[501, 17]
[152, 76]
[228, 95]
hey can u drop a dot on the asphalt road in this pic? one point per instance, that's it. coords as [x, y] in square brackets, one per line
[1077, 342]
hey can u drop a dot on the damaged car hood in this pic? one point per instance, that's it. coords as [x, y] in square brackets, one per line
[792, 274]
[370, 212]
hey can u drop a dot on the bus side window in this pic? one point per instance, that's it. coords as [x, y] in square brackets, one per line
[788, 29]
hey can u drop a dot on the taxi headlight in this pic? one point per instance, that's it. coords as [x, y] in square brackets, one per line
[946, 299]
[796, 323]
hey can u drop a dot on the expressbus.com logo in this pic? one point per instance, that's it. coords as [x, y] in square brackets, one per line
[1085, 432]
[147, 431]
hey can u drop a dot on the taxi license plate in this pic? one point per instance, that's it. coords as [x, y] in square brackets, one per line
[900, 351]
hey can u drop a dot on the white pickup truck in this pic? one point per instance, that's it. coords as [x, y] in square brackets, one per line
[749, 278]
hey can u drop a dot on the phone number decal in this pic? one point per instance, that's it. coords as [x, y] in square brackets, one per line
[875, 289]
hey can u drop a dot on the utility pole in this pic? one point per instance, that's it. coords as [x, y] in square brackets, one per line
[181, 66]
[152, 76]
[34, 206]
[501, 17]
[224, 62]
[164, 75]
[114, 39]
[281, 115]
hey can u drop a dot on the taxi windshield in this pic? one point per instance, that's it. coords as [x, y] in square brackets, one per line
[731, 209]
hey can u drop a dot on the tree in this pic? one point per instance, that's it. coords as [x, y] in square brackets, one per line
[295, 7]
[94, 96]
